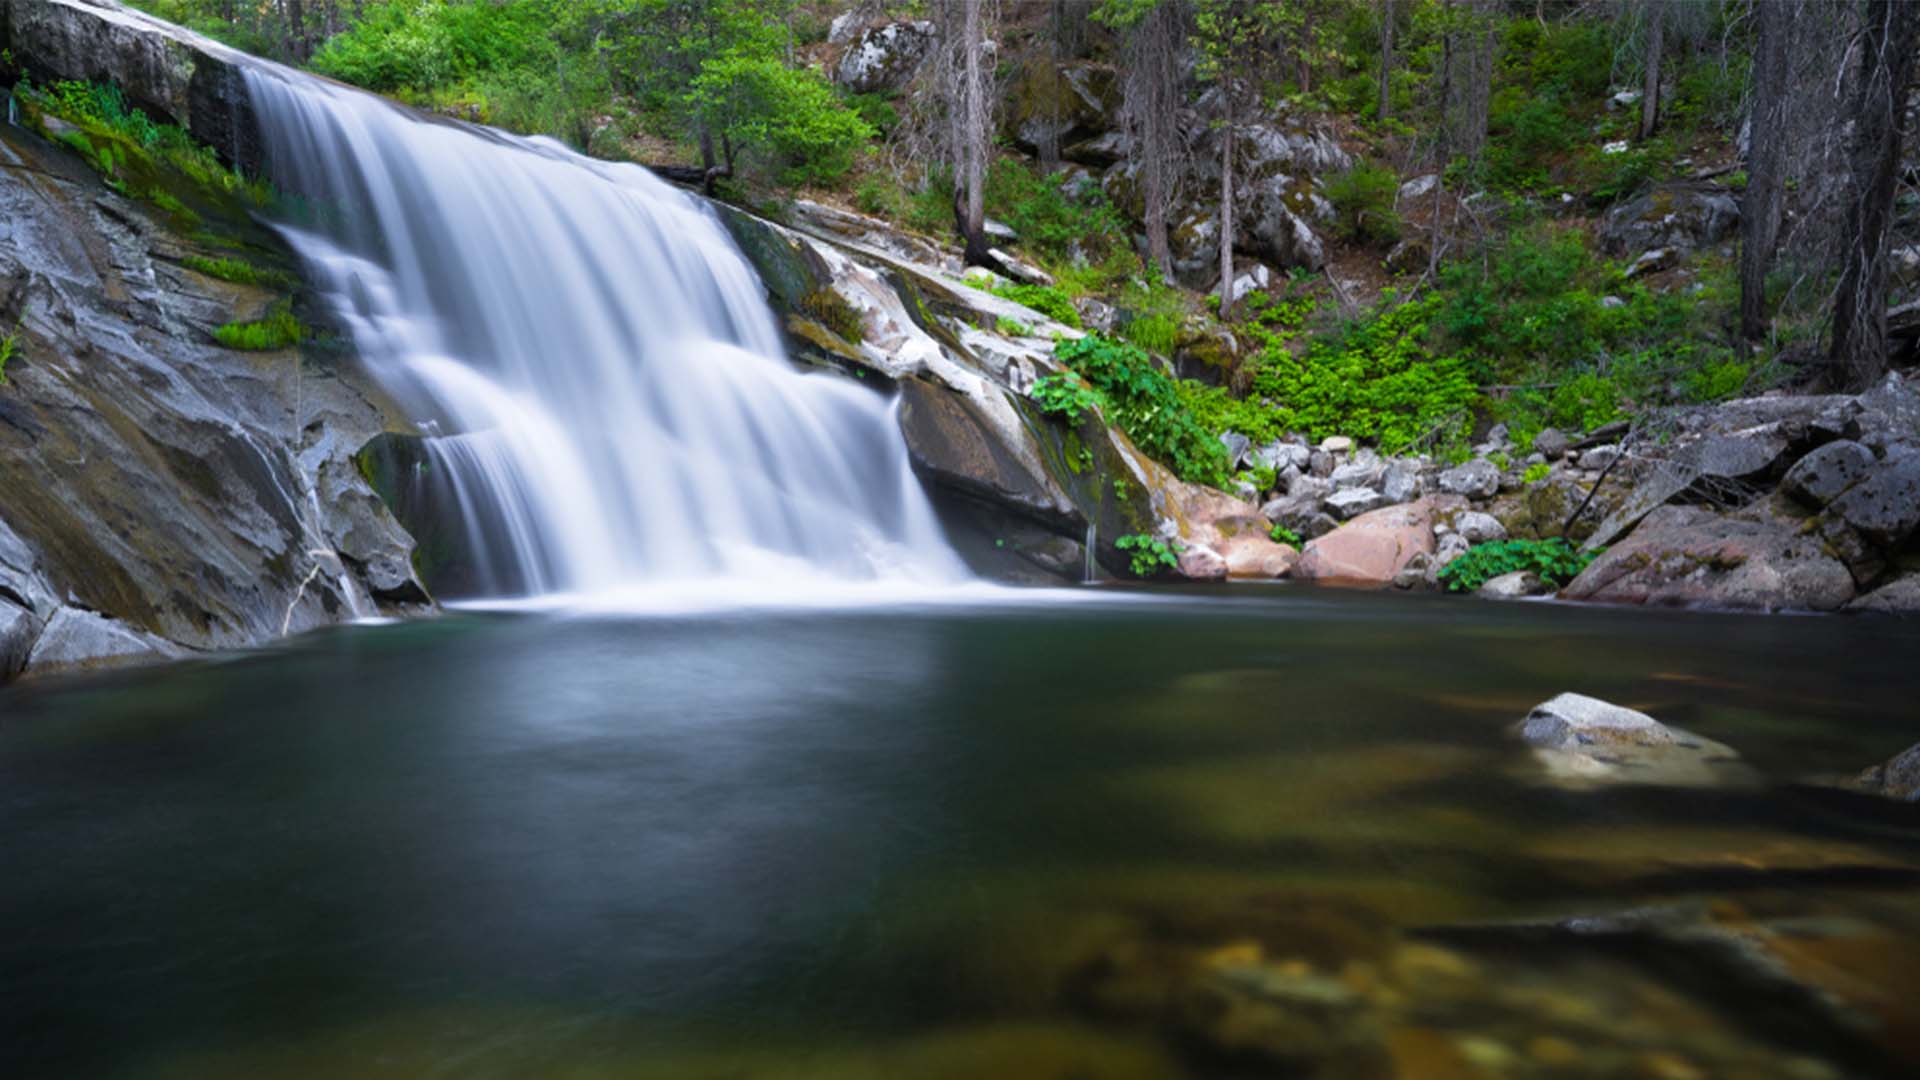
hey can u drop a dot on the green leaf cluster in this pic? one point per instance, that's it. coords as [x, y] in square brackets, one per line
[1062, 393]
[1045, 299]
[1149, 555]
[278, 330]
[1556, 561]
[1379, 379]
[1146, 403]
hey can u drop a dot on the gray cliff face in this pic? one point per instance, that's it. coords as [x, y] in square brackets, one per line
[169, 72]
[163, 494]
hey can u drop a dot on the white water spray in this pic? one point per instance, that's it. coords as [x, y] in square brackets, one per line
[596, 358]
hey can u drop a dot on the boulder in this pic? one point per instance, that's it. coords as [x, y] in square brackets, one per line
[75, 638]
[1821, 476]
[1896, 778]
[18, 631]
[1691, 556]
[1374, 547]
[1237, 446]
[1401, 483]
[1479, 528]
[884, 57]
[1348, 502]
[1199, 562]
[1336, 444]
[1889, 414]
[1680, 217]
[1513, 586]
[1551, 442]
[1357, 474]
[1583, 741]
[1257, 557]
[1600, 457]
[1901, 596]
[1477, 479]
[1884, 506]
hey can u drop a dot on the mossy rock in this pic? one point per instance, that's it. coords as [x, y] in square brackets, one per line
[790, 269]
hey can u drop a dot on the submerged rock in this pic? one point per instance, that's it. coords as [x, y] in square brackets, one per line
[1513, 586]
[1896, 778]
[1583, 740]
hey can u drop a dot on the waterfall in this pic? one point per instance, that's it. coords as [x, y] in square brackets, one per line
[604, 386]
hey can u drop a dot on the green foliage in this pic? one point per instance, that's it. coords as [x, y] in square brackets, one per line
[1362, 199]
[1062, 393]
[1536, 472]
[1012, 327]
[1219, 411]
[1156, 331]
[278, 330]
[1280, 534]
[1148, 555]
[1045, 299]
[238, 271]
[1584, 401]
[10, 345]
[1146, 403]
[1377, 379]
[137, 155]
[789, 117]
[1556, 561]
[1049, 221]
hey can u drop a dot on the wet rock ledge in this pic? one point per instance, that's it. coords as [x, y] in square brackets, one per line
[165, 495]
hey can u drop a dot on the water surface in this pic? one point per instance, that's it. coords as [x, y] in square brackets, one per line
[1178, 835]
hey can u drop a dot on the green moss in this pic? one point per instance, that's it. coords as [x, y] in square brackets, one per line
[278, 330]
[832, 311]
[238, 271]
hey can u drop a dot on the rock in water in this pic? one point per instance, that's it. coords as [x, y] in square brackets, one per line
[1687, 556]
[1583, 741]
[1513, 586]
[1897, 778]
[77, 639]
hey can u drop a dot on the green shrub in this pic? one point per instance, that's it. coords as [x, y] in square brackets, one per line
[10, 345]
[1149, 555]
[1377, 379]
[1536, 472]
[1218, 411]
[1556, 561]
[1062, 393]
[277, 331]
[1362, 199]
[1045, 299]
[1145, 402]
[1012, 327]
[1155, 331]
[1280, 534]
[1048, 221]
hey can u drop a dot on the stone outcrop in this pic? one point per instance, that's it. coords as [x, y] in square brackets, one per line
[1677, 218]
[1374, 547]
[191, 81]
[1687, 556]
[884, 57]
[165, 494]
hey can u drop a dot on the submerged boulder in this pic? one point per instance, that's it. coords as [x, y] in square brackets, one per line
[1583, 740]
[1896, 778]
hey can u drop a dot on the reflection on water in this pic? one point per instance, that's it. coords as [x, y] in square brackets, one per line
[1281, 835]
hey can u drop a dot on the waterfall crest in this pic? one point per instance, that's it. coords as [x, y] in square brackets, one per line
[604, 386]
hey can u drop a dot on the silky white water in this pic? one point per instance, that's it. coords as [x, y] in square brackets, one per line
[604, 385]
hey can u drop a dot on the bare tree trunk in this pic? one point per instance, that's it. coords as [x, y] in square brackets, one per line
[973, 225]
[1766, 140]
[1226, 199]
[1655, 11]
[1859, 354]
[1153, 98]
[1469, 79]
[1386, 59]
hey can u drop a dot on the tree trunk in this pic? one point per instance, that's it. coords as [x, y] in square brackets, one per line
[1153, 101]
[1226, 201]
[1766, 140]
[1656, 41]
[1859, 354]
[973, 227]
[1386, 59]
[1469, 79]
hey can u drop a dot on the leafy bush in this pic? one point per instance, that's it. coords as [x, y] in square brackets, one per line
[1012, 327]
[878, 193]
[1146, 403]
[1155, 331]
[790, 117]
[1218, 411]
[1376, 380]
[1536, 472]
[1045, 299]
[1556, 561]
[1047, 219]
[1062, 393]
[1280, 534]
[1362, 199]
[1149, 555]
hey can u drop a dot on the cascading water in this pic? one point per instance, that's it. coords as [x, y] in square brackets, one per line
[594, 357]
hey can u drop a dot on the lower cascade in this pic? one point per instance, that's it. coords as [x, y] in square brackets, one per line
[602, 382]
